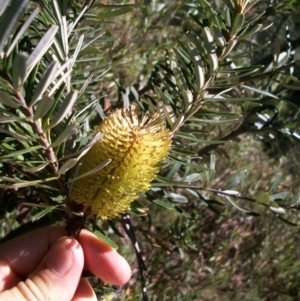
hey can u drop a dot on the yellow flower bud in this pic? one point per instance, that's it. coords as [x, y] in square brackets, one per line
[136, 147]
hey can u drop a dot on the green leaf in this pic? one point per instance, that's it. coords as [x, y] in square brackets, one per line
[37, 168]
[3, 6]
[22, 30]
[10, 19]
[18, 71]
[177, 197]
[164, 204]
[199, 69]
[183, 152]
[192, 138]
[212, 167]
[66, 134]
[218, 36]
[42, 47]
[64, 109]
[252, 49]
[44, 83]
[277, 209]
[259, 91]
[22, 151]
[7, 100]
[281, 196]
[114, 13]
[246, 211]
[237, 180]
[105, 239]
[263, 198]
[43, 107]
[238, 22]
[43, 212]
[275, 184]
[194, 177]
[33, 183]
[228, 49]
[15, 135]
[92, 171]
[67, 165]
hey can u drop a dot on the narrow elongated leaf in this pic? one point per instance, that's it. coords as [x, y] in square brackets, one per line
[21, 152]
[213, 62]
[256, 28]
[67, 165]
[212, 166]
[43, 212]
[37, 168]
[199, 69]
[194, 177]
[218, 36]
[18, 71]
[62, 80]
[8, 101]
[277, 209]
[77, 50]
[238, 22]
[43, 45]
[44, 83]
[292, 87]
[10, 20]
[178, 123]
[66, 134]
[22, 30]
[208, 40]
[114, 13]
[3, 5]
[92, 171]
[183, 152]
[276, 53]
[192, 138]
[260, 91]
[251, 50]
[106, 239]
[177, 197]
[232, 202]
[43, 107]
[164, 204]
[237, 180]
[71, 28]
[228, 49]
[275, 184]
[15, 135]
[86, 148]
[64, 109]
[281, 196]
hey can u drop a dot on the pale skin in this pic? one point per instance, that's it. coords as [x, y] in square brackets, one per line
[47, 265]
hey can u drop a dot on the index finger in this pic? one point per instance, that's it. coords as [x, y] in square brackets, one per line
[103, 261]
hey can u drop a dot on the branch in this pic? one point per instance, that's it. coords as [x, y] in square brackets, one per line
[36, 125]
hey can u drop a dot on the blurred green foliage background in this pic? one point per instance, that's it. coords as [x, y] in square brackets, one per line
[220, 249]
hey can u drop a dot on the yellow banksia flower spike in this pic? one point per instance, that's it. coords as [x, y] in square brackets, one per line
[136, 147]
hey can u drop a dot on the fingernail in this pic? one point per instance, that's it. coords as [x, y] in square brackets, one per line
[60, 257]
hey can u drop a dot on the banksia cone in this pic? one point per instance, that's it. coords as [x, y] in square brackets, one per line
[136, 148]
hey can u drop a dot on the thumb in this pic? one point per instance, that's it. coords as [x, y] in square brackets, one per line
[57, 276]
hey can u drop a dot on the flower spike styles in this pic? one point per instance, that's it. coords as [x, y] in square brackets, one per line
[136, 147]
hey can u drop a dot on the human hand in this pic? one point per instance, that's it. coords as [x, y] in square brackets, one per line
[46, 265]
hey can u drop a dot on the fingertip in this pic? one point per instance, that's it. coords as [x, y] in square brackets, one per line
[84, 291]
[104, 261]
